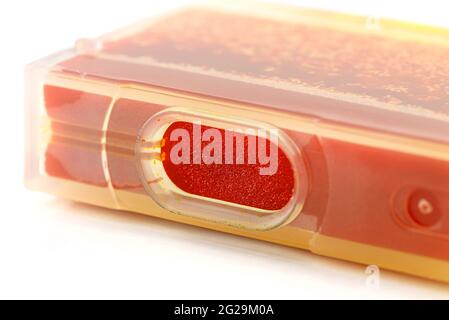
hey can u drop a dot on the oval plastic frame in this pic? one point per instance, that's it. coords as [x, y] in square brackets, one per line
[167, 195]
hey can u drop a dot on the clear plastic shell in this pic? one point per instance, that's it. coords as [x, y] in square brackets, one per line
[361, 116]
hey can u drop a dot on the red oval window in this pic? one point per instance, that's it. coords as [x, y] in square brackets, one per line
[198, 160]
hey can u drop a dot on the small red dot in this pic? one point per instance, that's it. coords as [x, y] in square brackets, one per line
[423, 208]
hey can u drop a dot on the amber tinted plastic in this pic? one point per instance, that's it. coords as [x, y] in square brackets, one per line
[366, 110]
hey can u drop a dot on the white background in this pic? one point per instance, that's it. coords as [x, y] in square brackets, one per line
[52, 248]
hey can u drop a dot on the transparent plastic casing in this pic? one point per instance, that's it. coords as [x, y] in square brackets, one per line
[361, 115]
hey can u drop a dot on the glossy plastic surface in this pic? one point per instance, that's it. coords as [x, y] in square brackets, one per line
[362, 116]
